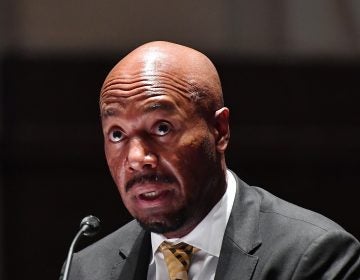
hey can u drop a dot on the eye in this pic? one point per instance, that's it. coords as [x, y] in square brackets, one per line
[162, 128]
[116, 135]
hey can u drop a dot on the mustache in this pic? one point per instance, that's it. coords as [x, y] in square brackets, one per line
[149, 178]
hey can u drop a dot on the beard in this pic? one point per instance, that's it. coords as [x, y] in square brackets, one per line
[166, 224]
[197, 204]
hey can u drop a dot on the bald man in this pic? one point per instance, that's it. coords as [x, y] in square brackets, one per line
[165, 134]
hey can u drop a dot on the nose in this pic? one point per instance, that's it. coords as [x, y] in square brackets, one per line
[139, 156]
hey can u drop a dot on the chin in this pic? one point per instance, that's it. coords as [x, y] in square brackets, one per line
[163, 225]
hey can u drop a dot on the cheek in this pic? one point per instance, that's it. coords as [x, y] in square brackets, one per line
[196, 157]
[113, 159]
[198, 147]
[109, 156]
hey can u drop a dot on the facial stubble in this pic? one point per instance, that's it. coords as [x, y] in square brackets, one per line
[190, 212]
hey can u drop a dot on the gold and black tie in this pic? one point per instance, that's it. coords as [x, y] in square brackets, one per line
[177, 258]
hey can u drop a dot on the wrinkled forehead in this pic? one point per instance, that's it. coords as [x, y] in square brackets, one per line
[162, 105]
[148, 79]
[164, 69]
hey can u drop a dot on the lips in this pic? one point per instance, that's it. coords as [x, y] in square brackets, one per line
[153, 195]
[151, 191]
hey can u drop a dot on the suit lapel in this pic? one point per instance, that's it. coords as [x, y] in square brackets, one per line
[135, 259]
[234, 263]
[236, 260]
[241, 236]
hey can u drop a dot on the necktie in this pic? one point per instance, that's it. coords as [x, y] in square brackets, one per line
[177, 258]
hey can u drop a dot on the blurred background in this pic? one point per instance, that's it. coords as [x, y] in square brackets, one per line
[290, 73]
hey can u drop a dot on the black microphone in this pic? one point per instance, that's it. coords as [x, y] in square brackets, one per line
[89, 226]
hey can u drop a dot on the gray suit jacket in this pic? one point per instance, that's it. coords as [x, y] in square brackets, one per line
[266, 238]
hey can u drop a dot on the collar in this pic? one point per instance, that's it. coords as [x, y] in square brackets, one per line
[209, 233]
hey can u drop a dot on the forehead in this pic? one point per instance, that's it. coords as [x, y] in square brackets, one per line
[144, 104]
[157, 89]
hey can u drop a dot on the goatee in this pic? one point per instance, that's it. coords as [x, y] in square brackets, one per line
[164, 226]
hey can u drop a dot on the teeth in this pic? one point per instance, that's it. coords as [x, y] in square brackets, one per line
[150, 194]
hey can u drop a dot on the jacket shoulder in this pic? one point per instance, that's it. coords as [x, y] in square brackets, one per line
[105, 254]
[298, 243]
[277, 210]
[125, 235]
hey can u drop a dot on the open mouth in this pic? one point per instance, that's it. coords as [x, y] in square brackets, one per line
[153, 195]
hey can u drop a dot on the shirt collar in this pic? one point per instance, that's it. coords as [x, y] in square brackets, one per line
[209, 233]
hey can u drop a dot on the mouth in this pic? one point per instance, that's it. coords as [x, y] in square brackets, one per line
[153, 195]
[153, 191]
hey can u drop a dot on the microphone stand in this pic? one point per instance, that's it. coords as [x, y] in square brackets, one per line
[89, 226]
[71, 251]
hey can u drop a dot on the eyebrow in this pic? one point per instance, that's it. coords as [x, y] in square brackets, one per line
[108, 112]
[164, 106]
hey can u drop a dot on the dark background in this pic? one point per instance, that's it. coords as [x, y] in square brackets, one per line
[295, 131]
[290, 73]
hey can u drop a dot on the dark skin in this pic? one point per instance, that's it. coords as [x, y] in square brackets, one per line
[166, 131]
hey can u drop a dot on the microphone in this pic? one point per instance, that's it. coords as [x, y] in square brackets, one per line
[89, 226]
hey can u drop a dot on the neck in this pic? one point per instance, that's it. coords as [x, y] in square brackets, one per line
[196, 216]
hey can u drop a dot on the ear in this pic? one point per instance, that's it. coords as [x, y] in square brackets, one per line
[222, 130]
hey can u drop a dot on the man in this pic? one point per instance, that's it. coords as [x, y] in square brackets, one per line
[166, 131]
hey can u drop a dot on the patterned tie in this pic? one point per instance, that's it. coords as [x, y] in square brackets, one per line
[177, 258]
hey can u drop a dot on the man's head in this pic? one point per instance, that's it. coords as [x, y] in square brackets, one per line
[165, 131]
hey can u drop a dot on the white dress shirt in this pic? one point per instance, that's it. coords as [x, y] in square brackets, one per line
[206, 236]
